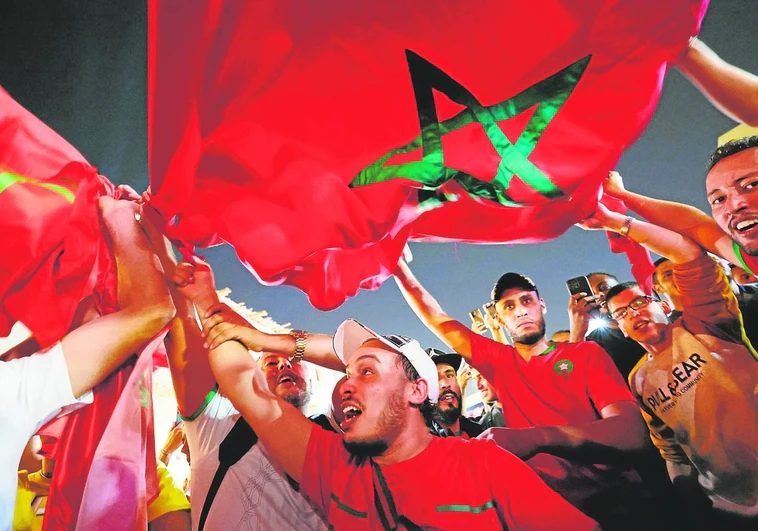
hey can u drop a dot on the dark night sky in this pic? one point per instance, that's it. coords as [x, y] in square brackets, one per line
[81, 67]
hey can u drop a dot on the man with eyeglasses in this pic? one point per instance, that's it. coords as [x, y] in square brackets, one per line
[698, 385]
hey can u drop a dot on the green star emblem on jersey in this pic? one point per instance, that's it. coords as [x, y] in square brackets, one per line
[563, 367]
[549, 95]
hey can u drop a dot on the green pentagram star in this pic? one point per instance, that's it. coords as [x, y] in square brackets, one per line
[549, 95]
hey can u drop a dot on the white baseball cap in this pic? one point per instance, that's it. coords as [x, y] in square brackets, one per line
[351, 335]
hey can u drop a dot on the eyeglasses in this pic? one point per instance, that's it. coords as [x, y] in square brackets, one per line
[636, 304]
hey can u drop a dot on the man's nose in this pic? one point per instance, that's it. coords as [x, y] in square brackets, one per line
[735, 202]
[346, 389]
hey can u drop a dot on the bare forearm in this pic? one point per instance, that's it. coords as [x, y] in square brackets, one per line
[319, 348]
[683, 219]
[731, 89]
[97, 348]
[140, 275]
[674, 246]
[426, 307]
[283, 430]
[603, 440]
[188, 358]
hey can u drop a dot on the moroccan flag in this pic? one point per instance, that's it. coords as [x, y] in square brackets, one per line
[55, 256]
[317, 137]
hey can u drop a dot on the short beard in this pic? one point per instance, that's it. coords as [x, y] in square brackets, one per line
[531, 339]
[299, 400]
[447, 417]
[750, 251]
[389, 421]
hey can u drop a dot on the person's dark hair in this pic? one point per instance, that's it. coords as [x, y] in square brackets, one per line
[731, 148]
[618, 288]
[511, 281]
[658, 262]
[603, 273]
[412, 374]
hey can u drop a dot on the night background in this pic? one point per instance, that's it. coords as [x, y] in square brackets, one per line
[81, 67]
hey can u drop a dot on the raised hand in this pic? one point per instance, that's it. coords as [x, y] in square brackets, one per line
[196, 283]
[579, 308]
[222, 324]
[614, 184]
[602, 219]
[479, 327]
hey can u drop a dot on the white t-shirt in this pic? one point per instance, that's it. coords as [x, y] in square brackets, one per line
[33, 390]
[254, 495]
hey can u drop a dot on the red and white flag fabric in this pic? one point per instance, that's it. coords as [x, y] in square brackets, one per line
[50, 225]
[123, 477]
[317, 137]
[55, 256]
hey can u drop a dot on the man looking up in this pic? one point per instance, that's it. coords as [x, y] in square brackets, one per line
[251, 493]
[697, 385]
[565, 404]
[371, 477]
[446, 413]
[35, 388]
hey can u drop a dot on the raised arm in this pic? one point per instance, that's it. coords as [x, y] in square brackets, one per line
[97, 348]
[453, 333]
[677, 248]
[185, 345]
[222, 324]
[284, 430]
[683, 219]
[733, 90]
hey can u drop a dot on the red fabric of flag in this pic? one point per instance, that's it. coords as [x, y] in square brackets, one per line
[56, 255]
[639, 257]
[316, 138]
[50, 225]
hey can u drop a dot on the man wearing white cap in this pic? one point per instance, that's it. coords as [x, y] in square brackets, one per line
[385, 471]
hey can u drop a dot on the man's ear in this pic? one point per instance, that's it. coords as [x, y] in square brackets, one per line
[543, 306]
[419, 391]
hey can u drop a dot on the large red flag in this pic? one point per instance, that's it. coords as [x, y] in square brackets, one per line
[316, 137]
[55, 255]
[50, 225]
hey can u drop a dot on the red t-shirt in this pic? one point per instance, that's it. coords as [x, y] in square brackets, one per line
[748, 263]
[568, 385]
[451, 484]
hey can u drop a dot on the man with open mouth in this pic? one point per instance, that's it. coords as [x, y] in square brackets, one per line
[731, 189]
[447, 420]
[697, 386]
[383, 473]
[234, 483]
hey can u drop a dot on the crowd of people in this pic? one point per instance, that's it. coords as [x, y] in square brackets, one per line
[647, 422]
